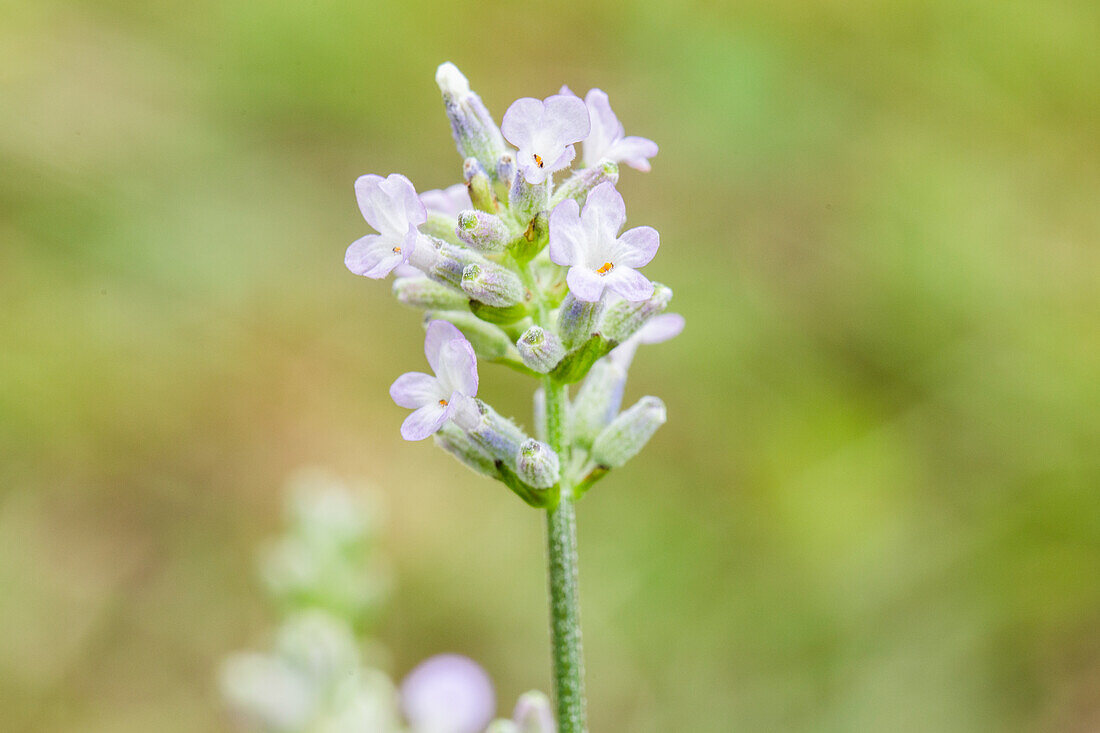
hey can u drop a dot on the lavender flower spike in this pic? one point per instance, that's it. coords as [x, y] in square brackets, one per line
[545, 131]
[608, 140]
[391, 206]
[598, 257]
[446, 396]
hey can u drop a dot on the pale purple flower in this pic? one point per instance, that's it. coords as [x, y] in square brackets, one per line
[545, 132]
[608, 139]
[446, 396]
[449, 201]
[391, 206]
[599, 257]
[448, 693]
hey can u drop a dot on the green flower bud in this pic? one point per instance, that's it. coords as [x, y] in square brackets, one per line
[421, 292]
[626, 316]
[455, 441]
[580, 183]
[541, 350]
[493, 285]
[537, 464]
[597, 401]
[629, 432]
[577, 320]
[482, 231]
[479, 186]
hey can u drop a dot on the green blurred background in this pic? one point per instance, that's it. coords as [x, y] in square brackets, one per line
[875, 505]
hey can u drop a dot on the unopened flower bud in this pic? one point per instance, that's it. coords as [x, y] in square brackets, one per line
[492, 284]
[499, 437]
[421, 292]
[626, 316]
[476, 134]
[538, 464]
[540, 349]
[598, 400]
[489, 342]
[580, 183]
[577, 320]
[451, 261]
[527, 199]
[506, 175]
[629, 432]
[455, 441]
[482, 231]
[440, 226]
[479, 185]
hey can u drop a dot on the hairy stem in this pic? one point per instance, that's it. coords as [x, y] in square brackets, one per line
[565, 616]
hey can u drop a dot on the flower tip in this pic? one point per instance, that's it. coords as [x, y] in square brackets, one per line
[450, 80]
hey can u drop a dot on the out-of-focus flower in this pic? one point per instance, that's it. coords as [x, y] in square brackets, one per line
[448, 693]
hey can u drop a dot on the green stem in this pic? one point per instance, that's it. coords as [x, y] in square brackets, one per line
[565, 616]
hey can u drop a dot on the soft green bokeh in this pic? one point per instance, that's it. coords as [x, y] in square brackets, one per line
[876, 504]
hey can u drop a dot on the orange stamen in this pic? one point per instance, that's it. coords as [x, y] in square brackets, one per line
[606, 268]
[443, 403]
[538, 160]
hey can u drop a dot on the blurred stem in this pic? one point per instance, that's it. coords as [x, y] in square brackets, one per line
[565, 612]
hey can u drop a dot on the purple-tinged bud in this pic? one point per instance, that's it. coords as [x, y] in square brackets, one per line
[629, 432]
[598, 400]
[580, 183]
[451, 261]
[541, 350]
[493, 285]
[577, 320]
[476, 134]
[421, 292]
[482, 231]
[537, 464]
[455, 441]
[489, 342]
[625, 317]
[499, 437]
[479, 185]
[506, 175]
[527, 199]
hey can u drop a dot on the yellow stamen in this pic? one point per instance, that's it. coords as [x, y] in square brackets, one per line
[538, 160]
[443, 403]
[606, 268]
[397, 250]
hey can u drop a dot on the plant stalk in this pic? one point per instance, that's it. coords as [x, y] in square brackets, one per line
[565, 616]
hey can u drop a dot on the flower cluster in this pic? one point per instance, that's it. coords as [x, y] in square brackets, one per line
[515, 269]
[322, 673]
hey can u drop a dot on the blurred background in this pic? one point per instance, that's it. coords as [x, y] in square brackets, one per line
[874, 507]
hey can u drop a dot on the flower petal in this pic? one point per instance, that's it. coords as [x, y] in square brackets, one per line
[374, 256]
[606, 128]
[439, 333]
[585, 284]
[567, 116]
[415, 389]
[634, 151]
[450, 694]
[521, 121]
[604, 211]
[389, 204]
[457, 370]
[568, 239]
[660, 328]
[449, 201]
[629, 283]
[425, 421]
[638, 246]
